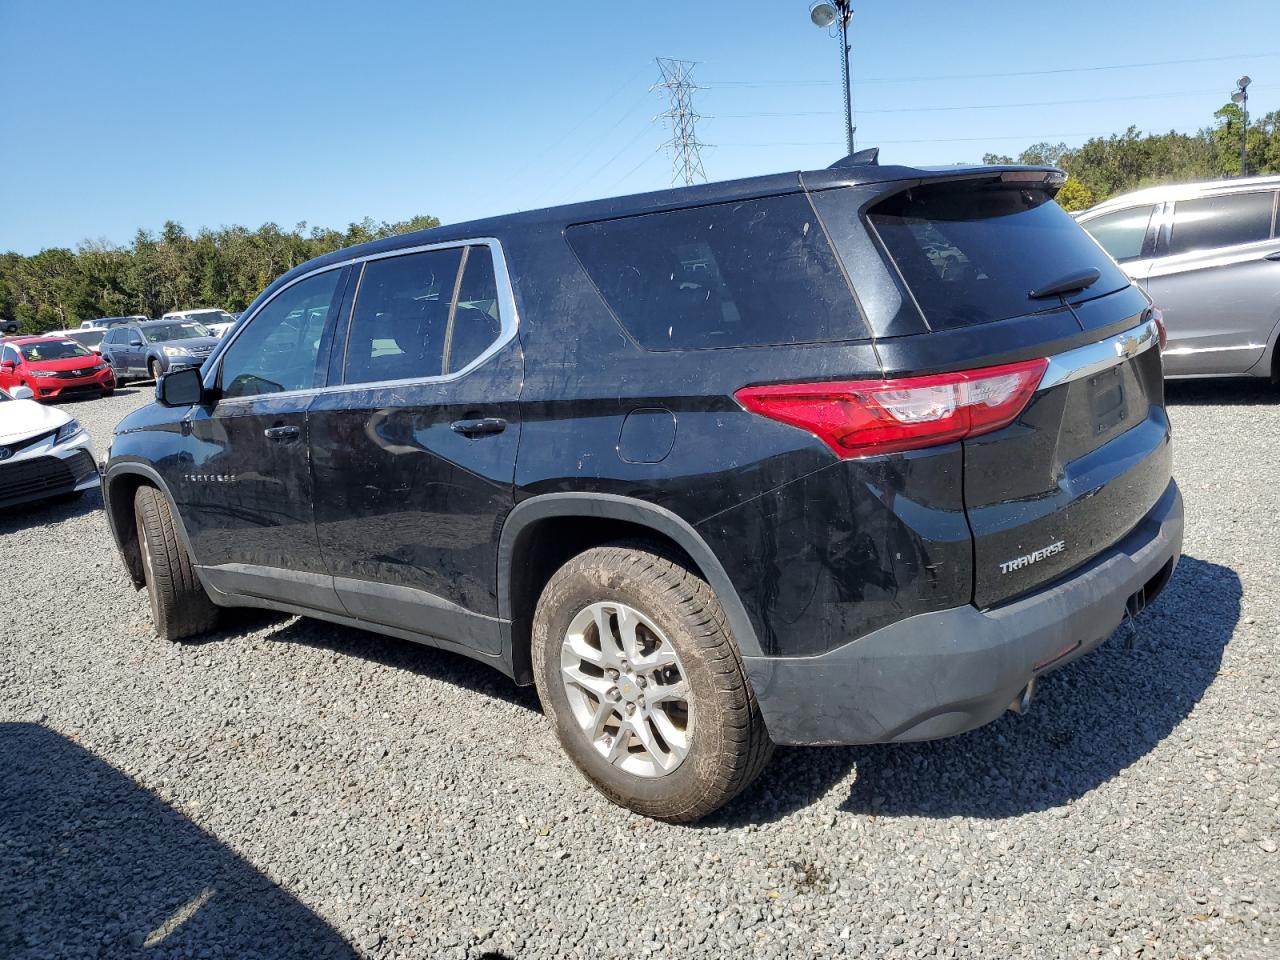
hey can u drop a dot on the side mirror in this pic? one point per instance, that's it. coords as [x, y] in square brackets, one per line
[181, 388]
[22, 393]
[8, 366]
[135, 342]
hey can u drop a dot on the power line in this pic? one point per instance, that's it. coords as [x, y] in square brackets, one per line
[989, 76]
[972, 106]
[1032, 137]
[530, 160]
[686, 149]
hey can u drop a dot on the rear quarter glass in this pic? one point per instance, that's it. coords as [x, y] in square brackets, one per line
[750, 273]
[972, 253]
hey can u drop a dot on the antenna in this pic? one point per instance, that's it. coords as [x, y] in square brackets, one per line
[686, 156]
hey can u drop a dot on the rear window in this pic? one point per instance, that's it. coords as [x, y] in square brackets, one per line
[972, 254]
[741, 274]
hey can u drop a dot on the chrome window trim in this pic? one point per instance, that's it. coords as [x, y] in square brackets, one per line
[1093, 358]
[508, 319]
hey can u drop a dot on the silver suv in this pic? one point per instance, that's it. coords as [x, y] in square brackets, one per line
[1208, 254]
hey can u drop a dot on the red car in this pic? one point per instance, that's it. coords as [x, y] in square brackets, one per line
[53, 367]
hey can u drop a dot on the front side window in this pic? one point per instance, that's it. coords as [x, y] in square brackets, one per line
[1122, 233]
[53, 350]
[279, 350]
[1221, 221]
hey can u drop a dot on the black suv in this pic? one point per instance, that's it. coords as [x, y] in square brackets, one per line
[845, 456]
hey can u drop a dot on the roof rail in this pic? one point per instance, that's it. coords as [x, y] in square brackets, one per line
[869, 157]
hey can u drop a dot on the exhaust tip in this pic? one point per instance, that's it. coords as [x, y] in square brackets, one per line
[1022, 702]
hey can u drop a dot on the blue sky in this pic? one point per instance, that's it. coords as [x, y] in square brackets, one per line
[119, 116]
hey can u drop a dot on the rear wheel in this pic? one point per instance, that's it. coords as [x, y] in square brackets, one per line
[179, 606]
[641, 678]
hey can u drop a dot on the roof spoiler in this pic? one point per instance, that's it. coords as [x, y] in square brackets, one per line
[863, 158]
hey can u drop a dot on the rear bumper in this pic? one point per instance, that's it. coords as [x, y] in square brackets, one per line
[941, 673]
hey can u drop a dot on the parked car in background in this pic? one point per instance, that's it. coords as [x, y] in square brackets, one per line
[86, 338]
[206, 315]
[54, 368]
[8, 326]
[851, 456]
[148, 350]
[104, 323]
[43, 452]
[1208, 255]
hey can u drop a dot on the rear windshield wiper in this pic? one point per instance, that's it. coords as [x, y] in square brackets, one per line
[1071, 283]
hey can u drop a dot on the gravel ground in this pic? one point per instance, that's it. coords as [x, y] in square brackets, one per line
[290, 788]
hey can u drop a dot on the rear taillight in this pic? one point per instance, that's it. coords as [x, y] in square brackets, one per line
[1158, 316]
[861, 418]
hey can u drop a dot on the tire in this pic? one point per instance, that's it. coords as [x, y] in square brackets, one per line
[724, 738]
[179, 606]
[153, 369]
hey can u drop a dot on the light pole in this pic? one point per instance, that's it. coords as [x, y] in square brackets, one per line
[1241, 96]
[824, 14]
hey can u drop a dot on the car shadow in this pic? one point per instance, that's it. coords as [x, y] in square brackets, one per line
[25, 515]
[1089, 721]
[95, 865]
[416, 658]
[1242, 392]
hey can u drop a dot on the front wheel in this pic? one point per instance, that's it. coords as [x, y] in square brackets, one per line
[153, 368]
[640, 676]
[179, 606]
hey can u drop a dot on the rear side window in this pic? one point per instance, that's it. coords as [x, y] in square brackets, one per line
[1221, 221]
[1122, 233]
[972, 254]
[423, 315]
[728, 275]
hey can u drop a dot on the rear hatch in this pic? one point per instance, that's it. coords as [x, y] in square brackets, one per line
[989, 262]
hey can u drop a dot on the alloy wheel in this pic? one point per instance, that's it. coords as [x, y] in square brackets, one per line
[627, 689]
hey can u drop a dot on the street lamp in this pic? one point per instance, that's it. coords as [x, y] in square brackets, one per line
[1241, 96]
[824, 14]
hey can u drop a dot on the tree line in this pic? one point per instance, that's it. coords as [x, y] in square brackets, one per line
[1106, 166]
[172, 270]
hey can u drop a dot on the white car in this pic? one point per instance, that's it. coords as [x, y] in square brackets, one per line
[218, 321]
[43, 452]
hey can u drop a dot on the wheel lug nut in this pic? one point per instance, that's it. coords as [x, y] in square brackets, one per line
[641, 682]
[613, 694]
[611, 673]
[631, 708]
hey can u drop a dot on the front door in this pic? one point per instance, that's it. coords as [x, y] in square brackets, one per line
[414, 455]
[1218, 283]
[245, 491]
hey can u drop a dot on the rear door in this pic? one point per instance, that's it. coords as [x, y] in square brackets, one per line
[413, 452]
[244, 488]
[1089, 455]
[1217, 279]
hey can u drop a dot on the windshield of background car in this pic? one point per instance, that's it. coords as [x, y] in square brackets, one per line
[972, 253]
[176, 331]
[53, 350]
[90, 338]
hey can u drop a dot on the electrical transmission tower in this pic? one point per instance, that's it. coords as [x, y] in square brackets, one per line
[685, 148]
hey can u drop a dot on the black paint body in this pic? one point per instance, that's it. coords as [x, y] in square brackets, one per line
[377, 512]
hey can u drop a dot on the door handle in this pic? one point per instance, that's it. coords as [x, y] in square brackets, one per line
[281, 433]
[476, 428]
[1274, 256]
